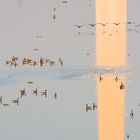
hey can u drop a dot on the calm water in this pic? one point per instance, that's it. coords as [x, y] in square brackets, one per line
[76, 83]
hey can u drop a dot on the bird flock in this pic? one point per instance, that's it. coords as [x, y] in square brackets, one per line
[14, 61]
[134, 26]
[23, 93]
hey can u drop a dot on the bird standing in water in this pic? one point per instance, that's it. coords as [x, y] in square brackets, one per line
[131, 114]
[55, 95]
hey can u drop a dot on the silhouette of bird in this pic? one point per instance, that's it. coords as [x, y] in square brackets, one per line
[129, 22]
[100, 78]
[41, 61]
[55, 95]
[54, 17]
[117, 24]
[35, 92]
[44, 93]
[35, 63]
[30, 82]
[103, 24]
[14, 58]
[116, 79]
[1, 99]
[122, 86]
[79, 26]
[16, 101]
[128, 137]
[94, 106]
[131, 114]
[61, 61]
[92, 25]
[22, 93]
[52, 63]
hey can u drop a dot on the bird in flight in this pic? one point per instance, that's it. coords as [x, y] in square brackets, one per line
[103, 24]
[92, 25]
[116, 23]
[79, 26]
[1, 99]
[129, 22]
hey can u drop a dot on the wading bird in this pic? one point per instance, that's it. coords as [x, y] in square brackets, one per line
[35, 92]
[116, 79]
[22, 93]
[127, 137]
[131, 114]
[55, 95]
[16, 101]
[54, 17]
[44, 93]
[100, 78]
[122, 86]
[1, 99]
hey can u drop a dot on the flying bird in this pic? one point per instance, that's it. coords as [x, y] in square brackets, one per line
[103, 24]
[79, 26]
[129, 22]
[92, 25]
[116, 24]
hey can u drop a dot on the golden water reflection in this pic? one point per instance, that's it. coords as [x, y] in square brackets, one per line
[111, 108]
[111, 50]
